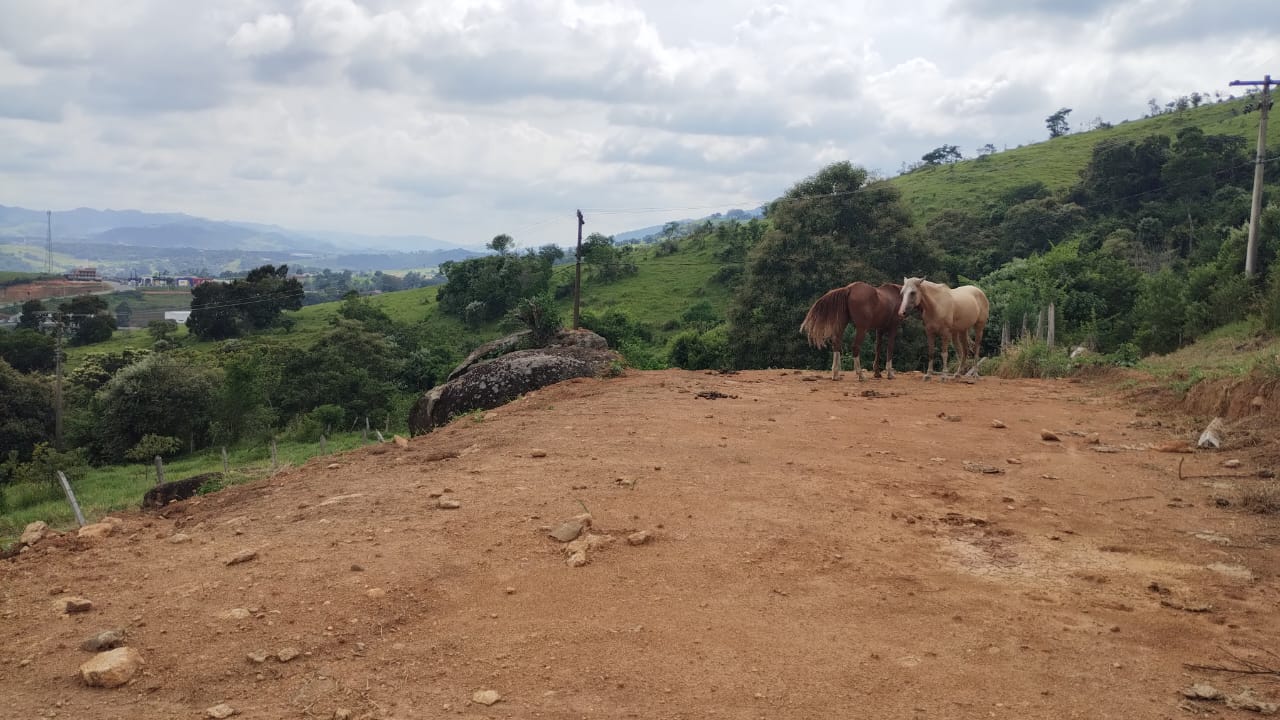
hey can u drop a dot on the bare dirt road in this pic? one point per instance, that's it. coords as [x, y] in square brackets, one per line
[814, 553]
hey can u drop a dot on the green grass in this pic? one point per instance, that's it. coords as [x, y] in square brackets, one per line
[9, 277]
[1230, 351]
[107, 489]
[1058, 162]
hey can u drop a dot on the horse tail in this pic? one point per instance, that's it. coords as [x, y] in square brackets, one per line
[828, 318]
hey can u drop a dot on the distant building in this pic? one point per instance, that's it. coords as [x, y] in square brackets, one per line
[88, 274]
[178, 316]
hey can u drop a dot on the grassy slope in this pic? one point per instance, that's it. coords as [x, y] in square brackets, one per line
[1058, 162]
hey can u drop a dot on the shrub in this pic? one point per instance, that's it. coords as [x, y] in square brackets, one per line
[1031, 358]
[692, 350]
[539, 314]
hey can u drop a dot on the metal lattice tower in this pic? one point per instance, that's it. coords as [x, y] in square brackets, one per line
[48, 242]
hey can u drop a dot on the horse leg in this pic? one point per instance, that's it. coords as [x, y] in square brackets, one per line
[893, 334]
[928, 371]
[835, 363]
[946, 339]
[961, 341]
[977, 349]
[857, 353]
[875, 360]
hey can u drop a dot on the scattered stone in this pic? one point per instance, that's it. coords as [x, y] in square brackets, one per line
[375, 593]
[179, 538]
[577, 559]
[567, 531]
[243, 556]
[639, 538]
[1049, 436]
[486, 697]
[287, 654]
[1266, 473]
[1013, 461]
[1232, 463]
[342, 714]
[220, 711]
[401, 441]
[1173, 446]
[105, 640]
[96, 530]
[237, 614]
[1248, 701]
[1257, 402]
[439, 455]
[1213, 537]
[1212, 435]
[34, 533]
[72, 605]
[356, 567]
[510, 591]
[982, 468]
[448, 504]
[538, 453]
[258, 656]
[332, 466]
[112, 668]
[998, 424]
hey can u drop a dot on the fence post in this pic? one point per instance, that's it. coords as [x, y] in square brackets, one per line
[365, 435]
[159, 471]
[379, 434]
[226, 468]
[71, 498]
[274, 464]
[323, 450]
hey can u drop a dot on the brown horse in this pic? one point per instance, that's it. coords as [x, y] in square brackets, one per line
[949, 313]
[868, 308]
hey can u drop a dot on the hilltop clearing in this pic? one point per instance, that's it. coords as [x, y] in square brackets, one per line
[816, 549]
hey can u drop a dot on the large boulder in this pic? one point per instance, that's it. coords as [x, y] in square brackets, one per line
[497, 373]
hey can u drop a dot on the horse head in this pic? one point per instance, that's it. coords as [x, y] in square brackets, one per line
[910, 295]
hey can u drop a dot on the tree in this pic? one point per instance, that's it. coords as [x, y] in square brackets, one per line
[89, 319]
[28, 351]
[162, 329]
[605, 261]
[226, 310]
[819, 240]
[943, 154]
[33, 312]
[157, 396]
[124, 313]
[26, 410]
[1057, 123]
[986, 150]
[501, 244]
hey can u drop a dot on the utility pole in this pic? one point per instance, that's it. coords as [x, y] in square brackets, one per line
[57, 391]
[1251, 254]
[577, 277]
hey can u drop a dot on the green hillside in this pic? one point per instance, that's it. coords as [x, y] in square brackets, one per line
[1057, 162]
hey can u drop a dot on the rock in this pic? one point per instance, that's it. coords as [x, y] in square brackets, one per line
[577, 559]
[165, 493]
[486, 697]
[342, 714]
[220, 711]
[332, 466]
[1049, 436]
[237, 614]
[287, 654]
[72, 605]
[982, 468]
[112, 668]
[400, 440]
[510, 590]
[448, 504]
[179, 538]
[356, 567]
[1248, 701]
[1013, 461]
[482, 384]
[96, 531]
[1212, 435]
[1232, 463]
[639, 538]
[34, 533]
[375, 593]
[1236, 572]
[243, 556]
[258, 656]
[998, 424]
[1257, 402]
[567, 531]
[105, 640]
[538, 453]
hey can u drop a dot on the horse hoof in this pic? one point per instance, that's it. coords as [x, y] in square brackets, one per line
[891, 375]
[877, 376]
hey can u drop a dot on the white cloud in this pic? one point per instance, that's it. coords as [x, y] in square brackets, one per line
[467, 118]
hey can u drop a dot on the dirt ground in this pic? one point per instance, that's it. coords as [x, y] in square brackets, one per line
[45, 289]
[815, 553]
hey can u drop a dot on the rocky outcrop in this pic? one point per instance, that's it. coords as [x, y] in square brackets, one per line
[497, 373]
[165, 493]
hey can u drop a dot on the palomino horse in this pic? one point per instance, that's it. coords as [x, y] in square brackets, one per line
[868, 308]
[949, 313]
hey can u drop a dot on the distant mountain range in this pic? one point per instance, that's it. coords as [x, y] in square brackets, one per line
[132, 242]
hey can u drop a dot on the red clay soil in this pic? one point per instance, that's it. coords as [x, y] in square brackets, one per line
[44, 289]
[815, 553]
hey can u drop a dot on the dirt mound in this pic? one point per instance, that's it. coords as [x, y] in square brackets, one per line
[788, 549]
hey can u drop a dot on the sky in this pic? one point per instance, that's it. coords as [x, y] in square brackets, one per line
[461, 120]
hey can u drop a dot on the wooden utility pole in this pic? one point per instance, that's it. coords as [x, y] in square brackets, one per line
[577, 278]
[57, 393]
[1251, 254]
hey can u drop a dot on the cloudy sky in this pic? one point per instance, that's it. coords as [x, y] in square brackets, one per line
[462, 119]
